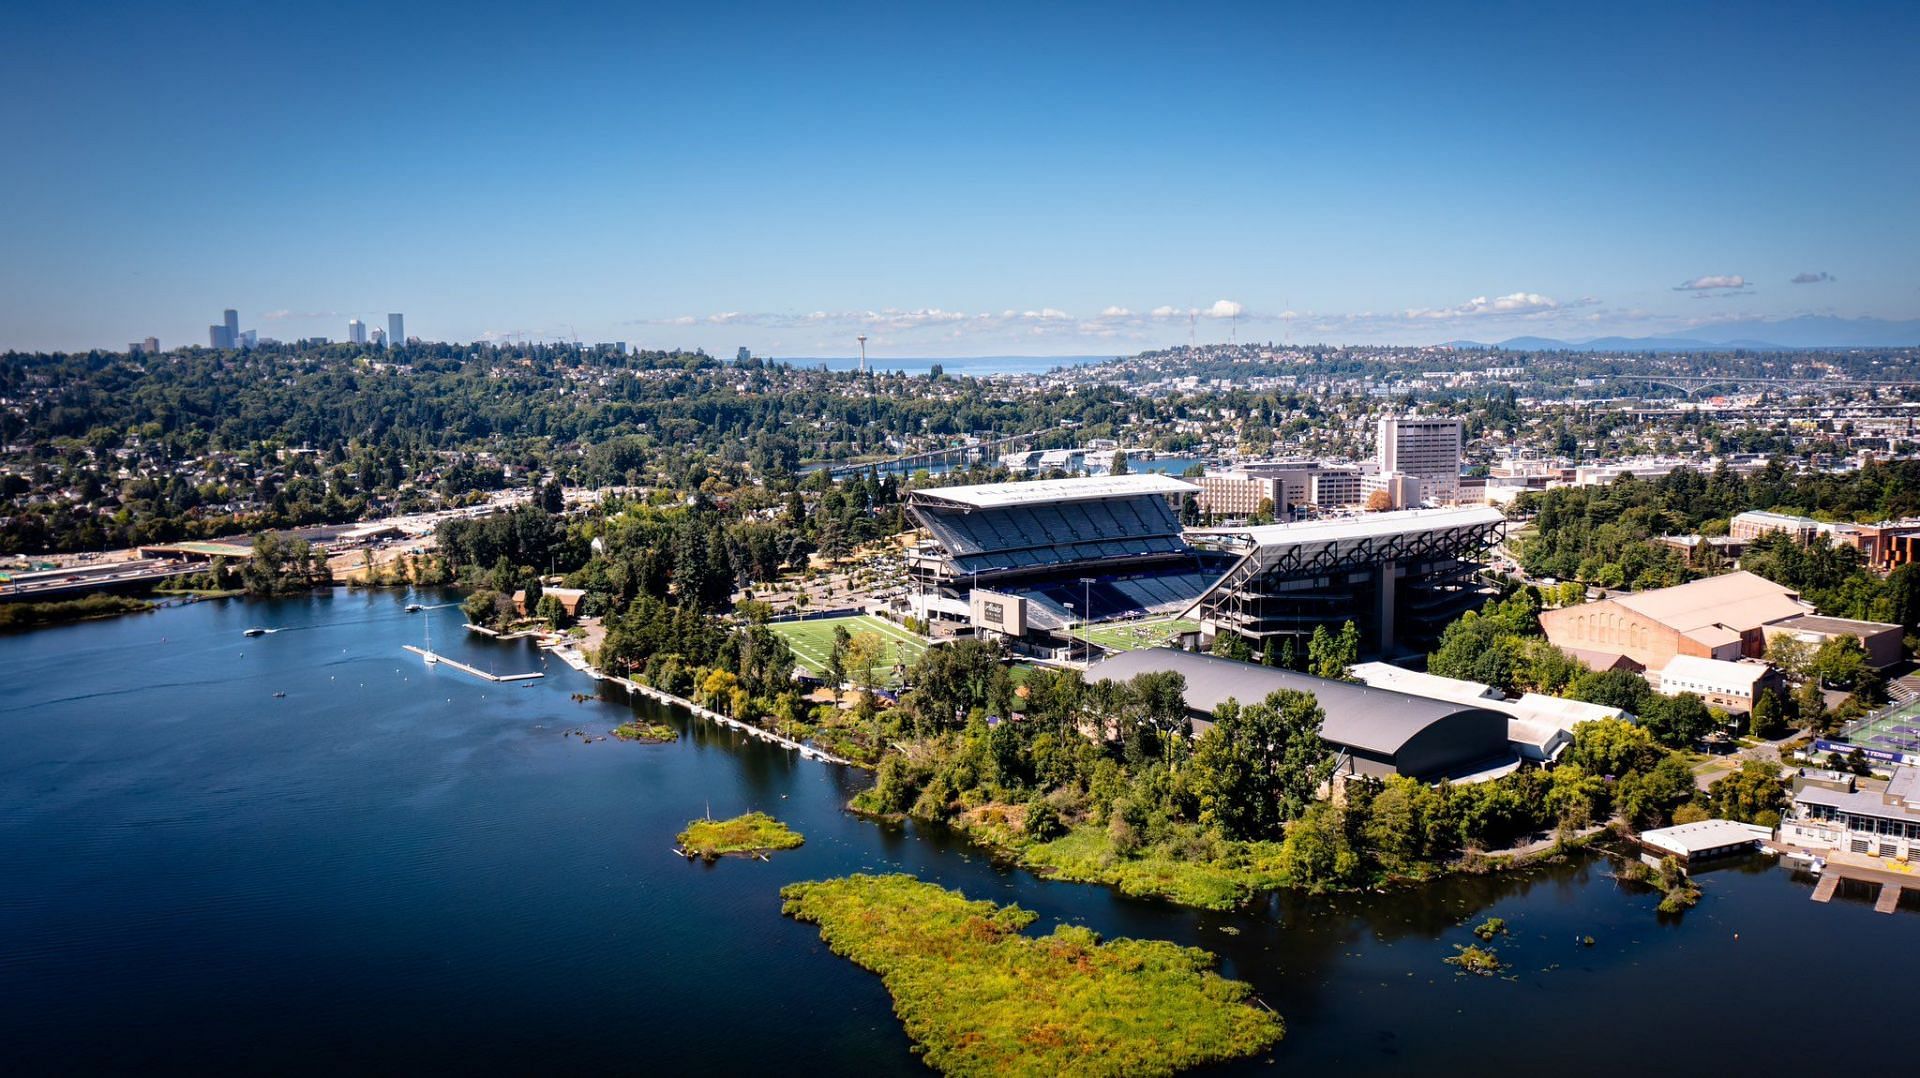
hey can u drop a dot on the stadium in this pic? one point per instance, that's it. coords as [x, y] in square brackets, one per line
[1401, 577]
[1035, 563]
[1031, 562]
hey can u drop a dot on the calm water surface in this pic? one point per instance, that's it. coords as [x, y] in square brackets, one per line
[401, 869]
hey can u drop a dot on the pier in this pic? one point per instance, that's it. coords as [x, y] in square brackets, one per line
[465, 669]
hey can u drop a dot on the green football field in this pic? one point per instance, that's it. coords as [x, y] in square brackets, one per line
[812, 643]
[1134, 635]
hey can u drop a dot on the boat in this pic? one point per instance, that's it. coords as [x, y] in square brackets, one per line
[428, 654]
[414, 608]
[258, 631]
[279, 696]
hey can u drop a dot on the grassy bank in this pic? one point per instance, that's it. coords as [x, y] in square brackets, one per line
[650, 732]
[980, 997]
[756, 832]
[30, 615]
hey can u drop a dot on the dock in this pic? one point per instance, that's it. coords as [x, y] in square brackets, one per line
[1823, 891]
[465, 669]
[1892, 877]
[1889, 899]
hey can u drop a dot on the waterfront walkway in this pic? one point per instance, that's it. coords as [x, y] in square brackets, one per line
[579, 662]
[465, 669]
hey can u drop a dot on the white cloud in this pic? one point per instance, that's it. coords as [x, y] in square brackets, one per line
[1116, 312]
[1821, 277]
[1713, 280]
[1224, 308]
[1513, 303]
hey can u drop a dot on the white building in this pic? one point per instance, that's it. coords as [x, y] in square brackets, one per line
[1723, 684]
[356, 331]
[1428, 449]
[1832, 811]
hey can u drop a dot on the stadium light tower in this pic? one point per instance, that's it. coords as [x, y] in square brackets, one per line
[863, 353]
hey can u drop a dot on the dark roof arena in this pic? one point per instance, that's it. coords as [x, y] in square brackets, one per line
[1384, 732]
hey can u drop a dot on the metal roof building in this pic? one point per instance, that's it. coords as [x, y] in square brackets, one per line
[1377, 731]
[1396, 575]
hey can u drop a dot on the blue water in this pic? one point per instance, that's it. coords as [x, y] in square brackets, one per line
[400, 869]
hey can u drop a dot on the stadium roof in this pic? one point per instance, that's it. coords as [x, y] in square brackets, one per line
[1359, 716]
[1044, 491]
[1368, 526]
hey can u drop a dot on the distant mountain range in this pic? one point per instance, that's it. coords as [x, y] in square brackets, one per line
[1807, 331]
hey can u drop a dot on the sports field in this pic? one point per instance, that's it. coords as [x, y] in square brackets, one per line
[812, 643]
[1895, 729]
[1134, 635]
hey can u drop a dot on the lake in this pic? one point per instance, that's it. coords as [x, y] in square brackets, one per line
[398, 868]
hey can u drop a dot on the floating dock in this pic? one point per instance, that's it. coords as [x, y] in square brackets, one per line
[1889, 899]
[465, 669]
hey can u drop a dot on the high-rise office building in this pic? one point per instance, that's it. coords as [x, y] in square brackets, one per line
[396, 330]
[232, 321]
[151, 346]
[356, 331]
[249, 338]
[379, 337]
[219, 336]
[1428, 449]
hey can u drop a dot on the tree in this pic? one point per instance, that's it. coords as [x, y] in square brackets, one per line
[1612, 747]
[1330, 656]
[864, 652]
[1839, 661]
[1379, 502]
[1678, 721]
[1119, 465]
[836, 671]
[1751, 795]
[1261, 764]
[1769, 719]
[1316, 854]
[1790, 653]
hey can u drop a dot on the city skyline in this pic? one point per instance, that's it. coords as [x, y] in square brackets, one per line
[1074, 181]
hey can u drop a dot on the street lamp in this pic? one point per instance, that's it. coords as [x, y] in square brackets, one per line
[1069, 632]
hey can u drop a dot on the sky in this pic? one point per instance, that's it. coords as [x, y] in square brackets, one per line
[953, 179]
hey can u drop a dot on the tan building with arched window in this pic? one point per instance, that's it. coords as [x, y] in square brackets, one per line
[1721, 617]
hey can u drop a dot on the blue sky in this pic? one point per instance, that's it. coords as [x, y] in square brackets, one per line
[953, 179]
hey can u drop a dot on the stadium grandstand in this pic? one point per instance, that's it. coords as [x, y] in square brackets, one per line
[1028, 561]
[1401, 577]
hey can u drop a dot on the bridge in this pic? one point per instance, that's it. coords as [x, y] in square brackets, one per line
[1692, 386]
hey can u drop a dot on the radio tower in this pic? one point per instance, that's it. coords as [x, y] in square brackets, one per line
[863, 353]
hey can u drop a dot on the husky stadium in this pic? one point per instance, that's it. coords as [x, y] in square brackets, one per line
[1033, 562]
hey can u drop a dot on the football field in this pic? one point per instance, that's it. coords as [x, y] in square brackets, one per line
[812, 643]
[1134, 635]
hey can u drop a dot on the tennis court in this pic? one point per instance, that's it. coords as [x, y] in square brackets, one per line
[812, 643]
[1894, 730]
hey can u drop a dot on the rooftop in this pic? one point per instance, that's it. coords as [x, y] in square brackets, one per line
[1738, 601]
[1820, 623]
[1718, 674]
[1044, 491]
[1360, 716]
[1369, 526]
[1688, 839]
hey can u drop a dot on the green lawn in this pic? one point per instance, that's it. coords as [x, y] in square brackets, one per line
[1134, 635]
[812, 643]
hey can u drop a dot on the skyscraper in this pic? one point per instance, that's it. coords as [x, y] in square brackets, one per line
[219, 336]
[356, 331]
[233, 327]
[1428, 449]
[396, 330]
[379, 337]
